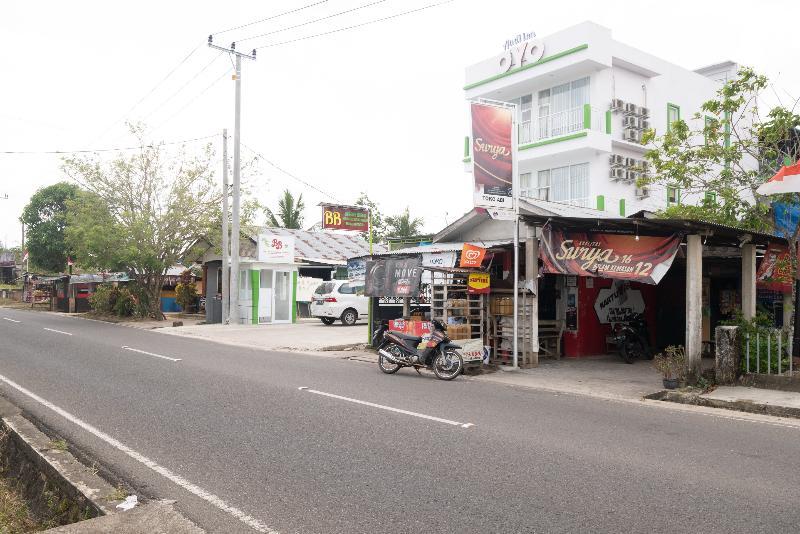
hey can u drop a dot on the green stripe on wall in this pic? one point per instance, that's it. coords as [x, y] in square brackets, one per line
[608, 122]
[545, 59]
[255, 285]
[553, 140]
[587, 116]
[294, 296]
[601, 203]
[466, 147]
[622, 207]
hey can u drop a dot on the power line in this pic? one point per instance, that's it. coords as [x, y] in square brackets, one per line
[382, 19]
[116, 149]
[290, 175]
[312, 21]
[270, 18]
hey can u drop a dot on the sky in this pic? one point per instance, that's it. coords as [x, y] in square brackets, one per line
[377, 109]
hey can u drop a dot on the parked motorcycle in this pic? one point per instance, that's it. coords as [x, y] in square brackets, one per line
[632, 338]
[397, 350]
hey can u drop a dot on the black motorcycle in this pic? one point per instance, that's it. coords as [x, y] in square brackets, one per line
[632, 338]
[439, 354]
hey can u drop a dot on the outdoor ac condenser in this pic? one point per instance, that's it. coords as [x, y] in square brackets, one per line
[631, 134]
[617, 174]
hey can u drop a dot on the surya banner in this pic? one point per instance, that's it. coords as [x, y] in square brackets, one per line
[623, 257]
[491, 156]
[471, 256]
[775, 271]
[393, 278]
[345, 218]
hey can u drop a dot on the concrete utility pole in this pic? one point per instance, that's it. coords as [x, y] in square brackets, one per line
[234, 278]
[226, 251]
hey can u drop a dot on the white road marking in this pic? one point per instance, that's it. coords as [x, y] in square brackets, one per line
[388, 408]
[58, 331]
[10, 319]
[250, 521]
[153, 354]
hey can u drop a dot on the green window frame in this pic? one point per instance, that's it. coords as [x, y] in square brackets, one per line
[673, 195]
[711, 197]
[672, 109]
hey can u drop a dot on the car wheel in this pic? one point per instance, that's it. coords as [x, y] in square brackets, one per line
[349, 317]
[327, 320]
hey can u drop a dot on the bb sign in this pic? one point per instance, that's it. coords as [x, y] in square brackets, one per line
[345, 218]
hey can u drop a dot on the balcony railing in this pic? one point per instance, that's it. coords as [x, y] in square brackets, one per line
[560, 124]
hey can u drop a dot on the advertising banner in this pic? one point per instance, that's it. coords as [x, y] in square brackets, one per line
[274, 248]
[478, 283]
[623, 257]
[618, 302]
[471, 255]
[439, 259]
[356, 270]
[345, 218]
[775, 271]
[393, 278]
[492, 156]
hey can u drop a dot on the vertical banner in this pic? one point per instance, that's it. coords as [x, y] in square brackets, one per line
[775, 271]
[492, 166]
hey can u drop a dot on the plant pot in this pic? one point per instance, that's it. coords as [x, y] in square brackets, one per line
[671, 383]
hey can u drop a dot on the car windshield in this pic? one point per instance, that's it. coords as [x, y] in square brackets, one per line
[324, 289]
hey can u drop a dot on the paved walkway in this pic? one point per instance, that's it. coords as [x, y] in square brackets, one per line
[768, 397]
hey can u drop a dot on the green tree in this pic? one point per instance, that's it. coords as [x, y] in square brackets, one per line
[290, 212]
[45, 219]
[729, 150]
[142, 211]
[403, 225]
[378, 224]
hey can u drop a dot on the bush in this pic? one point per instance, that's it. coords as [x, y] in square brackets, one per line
[104, 298]
[125, 304]
[121, 301]
[671, 363]
[754, 335]
[186, 295]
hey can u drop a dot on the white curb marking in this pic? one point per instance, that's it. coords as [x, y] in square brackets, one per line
[57, 331]
[10, 319]
[152, 354]
[250, 521]
[388, 408]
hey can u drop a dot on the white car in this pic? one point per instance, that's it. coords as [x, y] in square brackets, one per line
[338, 299]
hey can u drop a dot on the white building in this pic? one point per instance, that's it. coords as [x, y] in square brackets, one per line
[583, 100]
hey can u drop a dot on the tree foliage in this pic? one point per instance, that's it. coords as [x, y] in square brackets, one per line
[141, 212]
[378, 224]
[290, 212]
[45, 219]
[729, 149]
[404, 225]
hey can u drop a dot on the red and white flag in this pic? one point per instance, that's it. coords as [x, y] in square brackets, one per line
[787, 180]
[25, 255]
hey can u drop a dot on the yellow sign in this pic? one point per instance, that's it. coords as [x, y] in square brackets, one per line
[478, 283]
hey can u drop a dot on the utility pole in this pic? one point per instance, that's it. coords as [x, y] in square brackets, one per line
[234, 278]
[226, 252]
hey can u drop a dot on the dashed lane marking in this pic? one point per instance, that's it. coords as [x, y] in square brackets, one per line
[152, 354]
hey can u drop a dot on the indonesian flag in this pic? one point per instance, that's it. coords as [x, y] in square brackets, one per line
[787, 180]
[25, 255]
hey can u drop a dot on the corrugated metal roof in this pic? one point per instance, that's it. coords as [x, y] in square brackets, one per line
[561, 209]
[442, 247]
[326, 246]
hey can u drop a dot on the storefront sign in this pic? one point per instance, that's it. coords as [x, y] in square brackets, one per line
[491, 158]
[478, 283]
[345, 218]
[775, 271]
[274, 248]
[472, 256]
[439, 259]
[624, 257]
[518, 39]
[393, 278]
[520, 54]
[618, 302]
[473, 350]
[356, 269]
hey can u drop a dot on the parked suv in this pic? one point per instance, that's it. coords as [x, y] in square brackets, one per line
[337, 299]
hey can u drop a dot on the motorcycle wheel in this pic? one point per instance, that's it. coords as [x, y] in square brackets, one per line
[385, 364]
[448, 364]
[625, 353]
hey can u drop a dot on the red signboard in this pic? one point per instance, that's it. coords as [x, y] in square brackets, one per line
[471, 255]
[478, 283]
[623, 257]
[492, 155]
[775, 271]
[345, 218]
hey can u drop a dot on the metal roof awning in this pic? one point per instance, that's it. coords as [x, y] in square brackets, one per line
[442, 247]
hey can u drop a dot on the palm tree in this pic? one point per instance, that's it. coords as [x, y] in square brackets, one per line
[290, 212]
[403, 225]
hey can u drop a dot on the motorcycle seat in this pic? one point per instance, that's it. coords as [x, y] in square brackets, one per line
[408, 337]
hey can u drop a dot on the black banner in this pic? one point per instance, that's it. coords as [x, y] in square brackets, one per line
[393, 278]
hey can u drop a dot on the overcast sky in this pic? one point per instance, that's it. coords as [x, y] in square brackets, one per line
[377, 109]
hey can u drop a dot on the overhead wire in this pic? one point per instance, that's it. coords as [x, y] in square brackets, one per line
[109, 149]
[269, 18]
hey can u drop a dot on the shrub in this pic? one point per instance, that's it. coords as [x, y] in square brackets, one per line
[125, 304]
[754, 335]
[671, 363]
[104, 298]
[186, 295]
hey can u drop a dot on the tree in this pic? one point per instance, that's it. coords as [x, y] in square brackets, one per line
[729, 151]
[378, 224]
[403, 225]
[290, 212]
[45, 218]
[142, 211]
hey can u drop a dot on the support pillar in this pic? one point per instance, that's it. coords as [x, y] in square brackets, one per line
[531, 284]
[694, 306]
[748, 281]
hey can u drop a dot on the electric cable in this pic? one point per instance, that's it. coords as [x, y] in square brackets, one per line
[270, 18]
[114, 149]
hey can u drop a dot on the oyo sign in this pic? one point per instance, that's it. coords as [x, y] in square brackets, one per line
[522, 54]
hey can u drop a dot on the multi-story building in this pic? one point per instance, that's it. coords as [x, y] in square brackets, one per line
[583, 100]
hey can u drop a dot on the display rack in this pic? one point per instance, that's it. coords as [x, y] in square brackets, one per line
[501, 314]
[463, 313]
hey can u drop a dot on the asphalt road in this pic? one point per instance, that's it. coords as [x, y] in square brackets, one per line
[228, 433]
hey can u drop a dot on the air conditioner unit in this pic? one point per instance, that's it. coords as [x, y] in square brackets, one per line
[630, 162]
[616, 159]
[617, 104]
[631, 134]
[617, 174]
[643, 112]
[630, 122]
[630, 109]
[642, 192]
[643, 165]
[632, 176]
[644, 125]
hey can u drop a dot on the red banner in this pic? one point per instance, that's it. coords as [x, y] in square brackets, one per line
[624, 257]
[775, 271]
[471, 256]
[478, 283]
[345, 218]
[491, 155]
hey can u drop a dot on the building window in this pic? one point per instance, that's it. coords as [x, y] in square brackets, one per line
[673, 195]
[673, 115]
[569, 184]
[560, 111]
[710, 197]
[525, 110]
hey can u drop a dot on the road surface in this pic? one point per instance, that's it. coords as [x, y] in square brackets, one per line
[229, 433]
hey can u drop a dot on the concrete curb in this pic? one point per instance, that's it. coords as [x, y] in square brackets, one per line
[748, 406]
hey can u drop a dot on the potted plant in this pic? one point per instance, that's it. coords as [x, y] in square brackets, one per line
[671, 364]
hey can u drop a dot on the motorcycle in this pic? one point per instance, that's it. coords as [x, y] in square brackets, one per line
[397, 350]
[632, 338]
